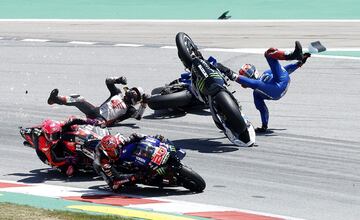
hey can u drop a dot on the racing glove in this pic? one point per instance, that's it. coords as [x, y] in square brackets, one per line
[160, 137]
[134, 137]
[37, 132]
[121, 80]
[145, 98]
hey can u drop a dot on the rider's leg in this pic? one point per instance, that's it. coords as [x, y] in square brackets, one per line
[277, 54]
[74, 100]
[262, 108]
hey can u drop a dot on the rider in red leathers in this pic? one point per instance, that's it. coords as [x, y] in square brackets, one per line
[49, 144]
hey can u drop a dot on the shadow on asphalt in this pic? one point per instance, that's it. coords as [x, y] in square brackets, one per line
[166, 114]
[207, 145]
[48, 174]
[129, 125]
[147, 191]
[271, 132]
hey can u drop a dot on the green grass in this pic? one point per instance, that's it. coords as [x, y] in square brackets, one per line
[22, 212]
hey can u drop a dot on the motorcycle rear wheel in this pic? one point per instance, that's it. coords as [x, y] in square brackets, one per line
[157, 90]
[186, 49]
[172, 100]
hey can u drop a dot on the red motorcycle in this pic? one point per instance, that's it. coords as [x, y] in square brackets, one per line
[79, 144]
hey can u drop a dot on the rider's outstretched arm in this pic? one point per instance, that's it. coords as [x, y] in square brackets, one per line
[226, 71]
[247, 82]
[110, 84]
[74, 121]
[140, 111]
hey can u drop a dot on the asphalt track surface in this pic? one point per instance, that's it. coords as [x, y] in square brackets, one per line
[308, 167]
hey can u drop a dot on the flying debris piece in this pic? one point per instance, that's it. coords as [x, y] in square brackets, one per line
[224, 16]
[26, 92]
[316, 47]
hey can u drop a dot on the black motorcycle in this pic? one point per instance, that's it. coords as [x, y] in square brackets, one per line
[209, 86]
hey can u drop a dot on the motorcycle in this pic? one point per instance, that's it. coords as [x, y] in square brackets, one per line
[79, 143]
[209, 86]
[159, 163]
[177, 95]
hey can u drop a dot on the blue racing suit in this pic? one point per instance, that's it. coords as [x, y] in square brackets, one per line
[272, 85]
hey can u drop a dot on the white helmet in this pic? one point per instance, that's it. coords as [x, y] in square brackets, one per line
[134, 95]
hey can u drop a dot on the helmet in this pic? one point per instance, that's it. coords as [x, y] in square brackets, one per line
[133, 95]
[249, 71]
[110, 146]
[51, 130]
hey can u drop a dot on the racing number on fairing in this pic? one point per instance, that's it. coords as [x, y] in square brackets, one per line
[159, 156]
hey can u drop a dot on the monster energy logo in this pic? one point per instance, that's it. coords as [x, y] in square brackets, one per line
[161, 171]
[201, 83]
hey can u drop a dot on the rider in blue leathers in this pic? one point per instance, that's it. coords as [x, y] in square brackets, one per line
[273, 83]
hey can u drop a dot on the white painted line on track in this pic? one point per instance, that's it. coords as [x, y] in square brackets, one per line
[336, 57]
[262, 50]
[190, 21]
[236, 50]
[128, 45]
[168, 47]
[82, 42]
[35, 40]
[227, 50]
[344, 49]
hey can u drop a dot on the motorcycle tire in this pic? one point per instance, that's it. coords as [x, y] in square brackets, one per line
[233, 118]
[157, 90]
[186, 49]
[172, 100]
[191, 180]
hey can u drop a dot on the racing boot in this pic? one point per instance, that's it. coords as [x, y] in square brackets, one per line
[54, 98]
[297, 54]
[261, 130]
[63, 100]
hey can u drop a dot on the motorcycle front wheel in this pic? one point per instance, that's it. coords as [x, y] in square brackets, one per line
[191, 180]
[230, 110]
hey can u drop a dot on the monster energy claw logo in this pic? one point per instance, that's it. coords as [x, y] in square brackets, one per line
[201, 83]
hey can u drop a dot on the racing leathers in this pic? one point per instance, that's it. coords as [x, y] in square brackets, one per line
[115, 109]
[271, 85]
[54, 153]
[108, 168]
